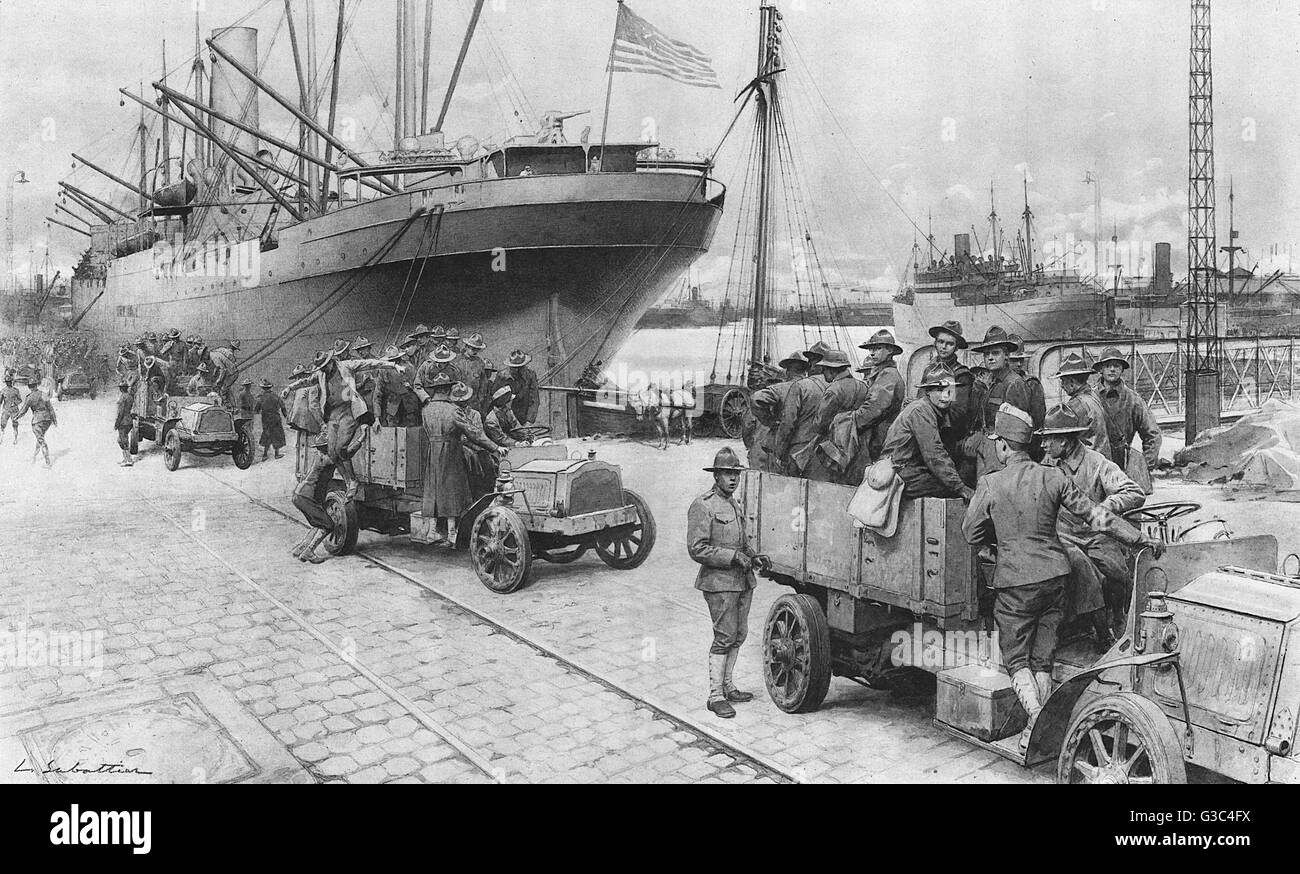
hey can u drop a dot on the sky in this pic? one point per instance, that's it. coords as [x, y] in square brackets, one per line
[903, 112]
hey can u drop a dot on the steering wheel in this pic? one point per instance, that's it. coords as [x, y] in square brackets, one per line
[530, 432]
[1162, 513]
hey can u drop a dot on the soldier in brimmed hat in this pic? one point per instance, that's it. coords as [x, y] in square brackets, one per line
[831, 455]
[271, 415]
[439, 361]
[225, 368]
[1037, 397]
[814, 354]
[915, 440]
[1016, 509]
[245, 405]
[343, 408]
[122, 424]
[1127, 415]
[1095, 558]
[885, 395]
[500, 420]
[796, 436]
[446, 476]
[472, 370]
[765, 406]
[1084, 403]
[43, 418]
[715, 538]
[948, 338]
[10, 401]
[1000, 385]
[522, 380]
[481, 463]
[397, 401]
[198, 385]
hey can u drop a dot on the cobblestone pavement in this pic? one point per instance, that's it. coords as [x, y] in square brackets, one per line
[184, 573]
[354, 670]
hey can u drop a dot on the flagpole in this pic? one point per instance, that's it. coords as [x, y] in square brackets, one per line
[609, 88]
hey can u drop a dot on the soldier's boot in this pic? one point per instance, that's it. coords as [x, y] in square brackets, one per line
[1027, 692]
[451, 530]
[733, 694]
[350, 482]
[302, 542]
[717, 695]
[127, 459]
[309, 551]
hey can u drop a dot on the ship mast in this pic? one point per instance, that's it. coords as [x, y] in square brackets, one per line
[765, 95]
[1029, 239]
[166, 131]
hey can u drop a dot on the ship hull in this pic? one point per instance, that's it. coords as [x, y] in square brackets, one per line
[1047, 317]
[559, 273]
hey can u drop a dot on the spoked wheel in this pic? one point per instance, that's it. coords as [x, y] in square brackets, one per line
[343, 539]
[731, 413]
[243, 450]
[797, 654]
[1121, 738]
[564, 554]
[629, 547]
[172, 450]
[500, 550]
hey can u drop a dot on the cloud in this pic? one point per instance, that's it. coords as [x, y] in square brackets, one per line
[959, 190]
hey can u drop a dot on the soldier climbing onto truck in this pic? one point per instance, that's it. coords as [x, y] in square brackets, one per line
[1015, 509]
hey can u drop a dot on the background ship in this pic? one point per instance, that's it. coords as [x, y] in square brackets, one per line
[552, 247]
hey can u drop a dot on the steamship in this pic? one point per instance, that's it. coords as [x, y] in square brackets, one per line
[542, 244]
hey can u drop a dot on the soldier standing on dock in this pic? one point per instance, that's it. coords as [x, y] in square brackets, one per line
[715, 538]
[1084, 403]
[10, 402]
[124, 422]
[1126, 415]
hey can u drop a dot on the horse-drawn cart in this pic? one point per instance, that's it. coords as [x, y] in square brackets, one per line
[1204, 673]
[544, 505]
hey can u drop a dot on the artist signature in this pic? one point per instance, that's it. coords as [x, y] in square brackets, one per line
[78, 768]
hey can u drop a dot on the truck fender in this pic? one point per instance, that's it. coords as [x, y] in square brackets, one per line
[1054, 720]
[466, 521]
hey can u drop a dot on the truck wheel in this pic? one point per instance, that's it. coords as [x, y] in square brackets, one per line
[628, 549]
[500, 551]
[343, 539]
[242, 451]
[797, 654]
[172, 450]
[1121, 738]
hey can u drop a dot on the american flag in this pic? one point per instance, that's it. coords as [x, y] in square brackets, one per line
[640, 47]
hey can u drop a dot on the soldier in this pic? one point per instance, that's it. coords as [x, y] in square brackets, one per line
[1084, 403]
[154, 377]
[173, 351]
[270, 409]
[1037, 397]
[304, 411]
[522, 380]
[830, 460]
[915, 442]
[1127, 415]
[124, 422]
[367, 381]
[480, 462]
[472, 368]
[342, 408]
[446, 476]
[246, 405]
[398, 405]
[500, 420]
[309, 497]
[797, 433]
[11, 400]
[453, 341]
[715, 538]
[766, 405]
[439, 362]
[43, 417]
[422, 336]
[948, 339]
[1003, 385]
[885, 393]
[1095, 558]
[225, 368]
[1016, 508]
[198, 385]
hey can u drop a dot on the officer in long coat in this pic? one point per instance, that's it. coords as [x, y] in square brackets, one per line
[1015, 508]
[446, 476]
[271, 414]
[715, 538]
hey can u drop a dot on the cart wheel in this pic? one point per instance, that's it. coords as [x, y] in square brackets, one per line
[564, 554]
[1121, 738]
[172, 450]
[629, 548]
[731, 413]
[500, 550]
[343, 539]
[243, 451]
[797, 654]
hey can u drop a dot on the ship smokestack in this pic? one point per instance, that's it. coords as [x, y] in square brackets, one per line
[961, 245]
[1164, 275]
[232, 93]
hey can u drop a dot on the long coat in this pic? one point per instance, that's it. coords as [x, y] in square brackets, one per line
[446, 476]
[271, 408]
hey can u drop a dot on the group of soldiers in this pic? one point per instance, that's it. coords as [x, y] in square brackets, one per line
[471, 411]
[171, 364]
[1045, 488]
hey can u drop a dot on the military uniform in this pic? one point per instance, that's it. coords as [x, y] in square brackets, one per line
[309, 497]
[523, 383]
[915, 445]
[42, 418]
[843, 394]
[122, 424]
[765, 406]
[715, 538]
[11, 400]
[1128, 415]
[499, 423]
[798, 426]
[1087, 406]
